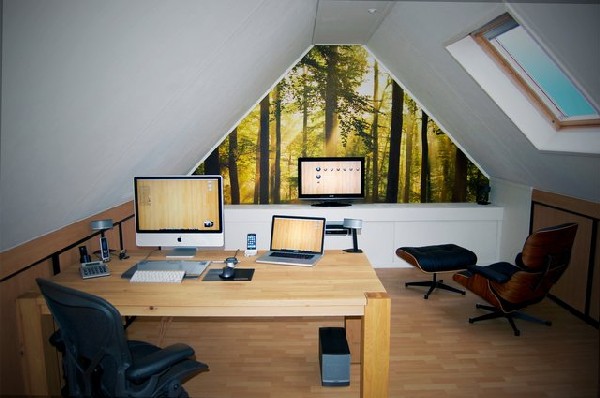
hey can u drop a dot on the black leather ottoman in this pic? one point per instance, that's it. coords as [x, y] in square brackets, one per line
[437, 258]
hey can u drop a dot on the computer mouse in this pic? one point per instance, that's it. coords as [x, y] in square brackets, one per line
[228, 272]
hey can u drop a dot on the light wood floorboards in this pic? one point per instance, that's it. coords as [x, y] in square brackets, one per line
[435, 352]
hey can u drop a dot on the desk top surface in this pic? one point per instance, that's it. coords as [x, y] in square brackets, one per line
[336, 285]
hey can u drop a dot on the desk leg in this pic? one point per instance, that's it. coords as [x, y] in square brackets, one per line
[353, 325]
[376, 346]
[33, 332]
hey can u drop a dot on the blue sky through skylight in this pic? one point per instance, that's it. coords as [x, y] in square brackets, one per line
[545, 73]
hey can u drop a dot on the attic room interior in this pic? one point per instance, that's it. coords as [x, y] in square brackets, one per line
[96, 93]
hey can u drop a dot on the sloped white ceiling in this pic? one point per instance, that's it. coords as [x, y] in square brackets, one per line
[96, 92]
[412, 43]
[348, 21]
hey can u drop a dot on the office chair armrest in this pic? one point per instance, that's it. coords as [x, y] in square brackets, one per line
[158, 361]
[498, 272]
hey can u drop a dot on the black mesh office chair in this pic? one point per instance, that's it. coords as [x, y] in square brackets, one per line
[99, 361]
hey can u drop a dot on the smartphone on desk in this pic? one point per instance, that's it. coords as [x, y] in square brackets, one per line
[104, 250]
[250, 245]
[251, 242]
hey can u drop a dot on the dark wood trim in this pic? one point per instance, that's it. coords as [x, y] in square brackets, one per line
[581, 209]
[15, 260]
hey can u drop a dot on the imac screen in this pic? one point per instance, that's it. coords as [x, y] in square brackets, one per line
[179, 211]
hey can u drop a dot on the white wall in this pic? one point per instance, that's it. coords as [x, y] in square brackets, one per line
[96, 92]
[385, 227]
[515, 199]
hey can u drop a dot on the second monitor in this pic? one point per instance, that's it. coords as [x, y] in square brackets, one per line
[331, 181]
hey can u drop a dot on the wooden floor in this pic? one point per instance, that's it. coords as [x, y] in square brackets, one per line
[435, 352]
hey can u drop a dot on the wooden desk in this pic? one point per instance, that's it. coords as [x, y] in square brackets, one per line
[341, 284]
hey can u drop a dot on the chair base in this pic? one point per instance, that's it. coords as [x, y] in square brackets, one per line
[496, 313]
[434, 284]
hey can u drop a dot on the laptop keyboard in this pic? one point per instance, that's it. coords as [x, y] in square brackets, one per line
[292, 255]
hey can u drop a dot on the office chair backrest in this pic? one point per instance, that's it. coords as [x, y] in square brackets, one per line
[96, 352]
[545, 257]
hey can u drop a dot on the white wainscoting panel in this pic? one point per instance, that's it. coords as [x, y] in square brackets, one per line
[385, 227]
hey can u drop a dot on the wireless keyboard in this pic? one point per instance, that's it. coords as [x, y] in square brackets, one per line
[192, 269]
[158, 276]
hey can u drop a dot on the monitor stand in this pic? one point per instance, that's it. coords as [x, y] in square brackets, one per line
[332, 203]
[181, 252]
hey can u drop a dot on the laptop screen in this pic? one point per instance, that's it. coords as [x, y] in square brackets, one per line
[304, 234]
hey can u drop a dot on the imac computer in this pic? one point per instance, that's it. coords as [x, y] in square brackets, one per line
[179, 213]
[331, 181]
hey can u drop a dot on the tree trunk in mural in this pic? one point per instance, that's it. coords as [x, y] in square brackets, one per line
[256, 172]
[393, 179]
[331, 95]
[304, 112]
[330, 105]
[445, 156]
[408, 164]
[375, 132]
[276, 196]
[425, 177]
[263, 176]
[459, 193]
[211, 163]
[232, 158]
[289, 185]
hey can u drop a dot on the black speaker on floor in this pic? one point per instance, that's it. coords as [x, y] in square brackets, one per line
[334, 356]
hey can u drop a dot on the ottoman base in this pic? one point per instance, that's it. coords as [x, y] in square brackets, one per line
[435, 259]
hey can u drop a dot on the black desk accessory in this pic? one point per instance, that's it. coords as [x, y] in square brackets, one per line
[241, 274]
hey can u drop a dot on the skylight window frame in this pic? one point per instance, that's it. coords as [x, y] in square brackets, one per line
[527, 85]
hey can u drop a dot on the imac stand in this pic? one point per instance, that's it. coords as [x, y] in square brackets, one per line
[181, 252]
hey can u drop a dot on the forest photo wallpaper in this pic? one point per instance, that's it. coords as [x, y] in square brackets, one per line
[338, 101]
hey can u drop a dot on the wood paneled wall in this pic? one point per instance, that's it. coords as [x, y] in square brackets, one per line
[21, 265]
[579, 287]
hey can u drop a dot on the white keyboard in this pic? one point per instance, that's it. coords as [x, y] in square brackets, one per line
[192, 269]
[171, 276]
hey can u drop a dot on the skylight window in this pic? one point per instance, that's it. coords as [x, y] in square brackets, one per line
[536, 73]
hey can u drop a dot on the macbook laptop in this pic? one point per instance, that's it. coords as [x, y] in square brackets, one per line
[295, 241]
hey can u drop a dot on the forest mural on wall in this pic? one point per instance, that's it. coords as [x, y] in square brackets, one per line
[337, 101]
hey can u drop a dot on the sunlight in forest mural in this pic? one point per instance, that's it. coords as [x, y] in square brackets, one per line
[338, 101]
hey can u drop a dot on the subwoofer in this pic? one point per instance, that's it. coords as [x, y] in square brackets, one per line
[334, 356]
